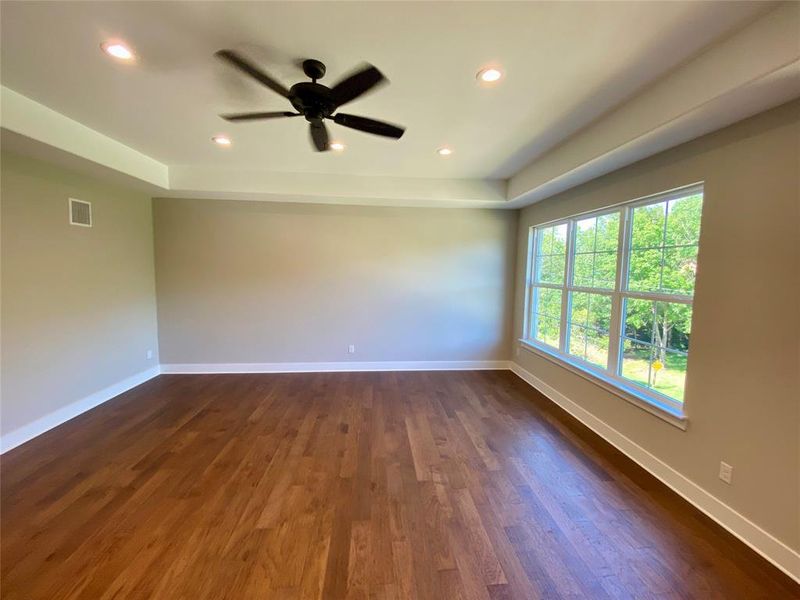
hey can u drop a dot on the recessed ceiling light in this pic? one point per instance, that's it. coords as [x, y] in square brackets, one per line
[444, 151]
[490, 75]
[221, 140]
[337, 146]
[117, 50]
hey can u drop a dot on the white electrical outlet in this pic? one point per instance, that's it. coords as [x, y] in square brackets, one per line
[725, 472]
[149, 354]
[516, 351]
[351, 349]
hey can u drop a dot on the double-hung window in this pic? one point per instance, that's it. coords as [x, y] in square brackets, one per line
[610, 294]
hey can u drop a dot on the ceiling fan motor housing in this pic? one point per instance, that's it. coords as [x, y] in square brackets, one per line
[314, 100]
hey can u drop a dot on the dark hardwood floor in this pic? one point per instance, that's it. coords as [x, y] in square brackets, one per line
[429, 485]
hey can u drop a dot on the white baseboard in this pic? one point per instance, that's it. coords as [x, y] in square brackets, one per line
[332, 367]
[768, 546]
[55, 418]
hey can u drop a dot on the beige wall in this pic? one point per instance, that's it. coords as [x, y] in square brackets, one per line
[743, 384]
[256, 282]
[78, 304]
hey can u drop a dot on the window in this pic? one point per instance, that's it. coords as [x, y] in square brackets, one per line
[610, 293]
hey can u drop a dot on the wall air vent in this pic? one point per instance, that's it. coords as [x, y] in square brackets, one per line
[80, 213]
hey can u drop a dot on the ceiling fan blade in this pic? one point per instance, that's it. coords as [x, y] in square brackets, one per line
[319, 136]
[246, 66]
[358, 83]
[258, 115]
[369, 125]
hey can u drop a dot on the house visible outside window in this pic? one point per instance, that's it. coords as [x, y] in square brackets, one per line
[610, 293]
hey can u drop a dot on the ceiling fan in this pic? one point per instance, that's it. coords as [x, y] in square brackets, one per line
[315, 101]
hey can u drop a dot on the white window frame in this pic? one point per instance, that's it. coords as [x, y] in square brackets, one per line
[609, 378]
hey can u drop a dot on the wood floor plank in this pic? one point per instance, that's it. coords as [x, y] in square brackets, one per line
[370, 486]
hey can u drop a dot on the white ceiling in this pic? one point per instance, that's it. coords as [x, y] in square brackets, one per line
[566, 64]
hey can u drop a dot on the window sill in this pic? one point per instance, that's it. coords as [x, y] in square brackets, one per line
[628, 393]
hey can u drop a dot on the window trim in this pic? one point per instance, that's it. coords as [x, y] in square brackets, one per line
[626, 392]
[650, 400]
